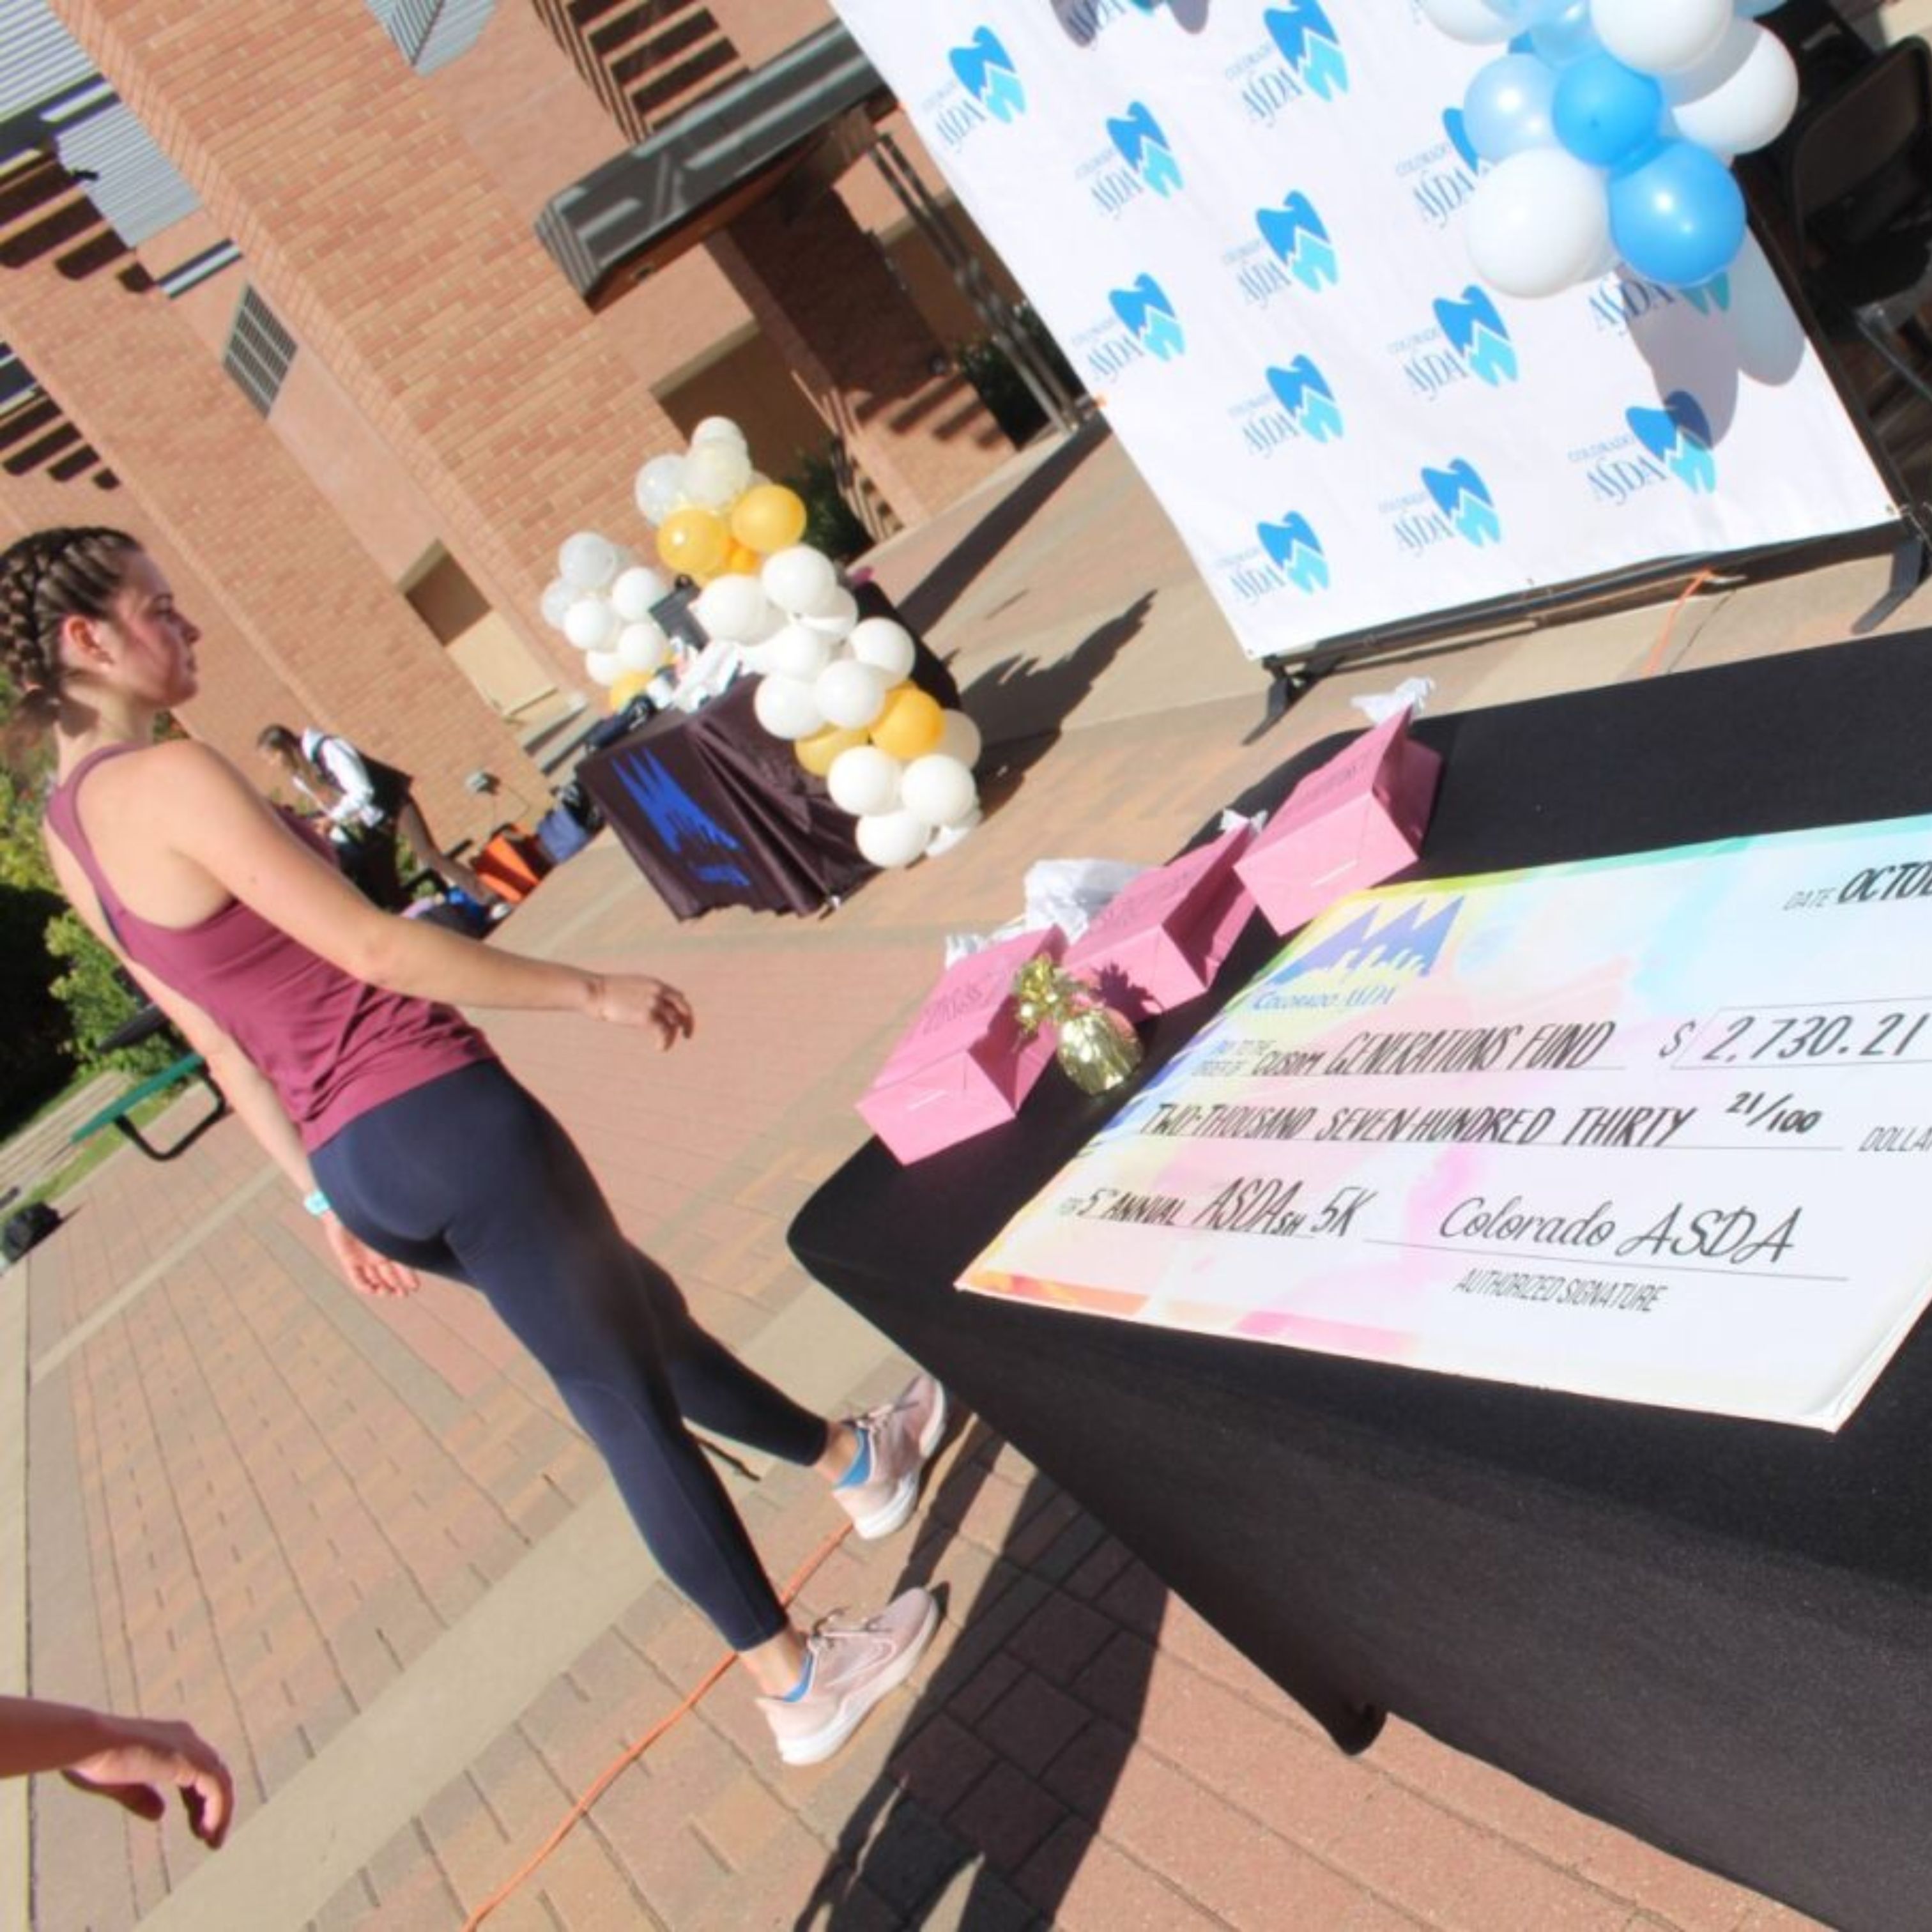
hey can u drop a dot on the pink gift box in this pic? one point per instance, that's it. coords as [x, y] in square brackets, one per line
[961, 1066]
[1161, 941]
[1352, 824]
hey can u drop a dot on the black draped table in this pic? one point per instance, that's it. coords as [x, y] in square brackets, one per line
[1715, 1633]
[714, 811]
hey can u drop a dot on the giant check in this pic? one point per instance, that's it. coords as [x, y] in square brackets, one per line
[1657, 1128]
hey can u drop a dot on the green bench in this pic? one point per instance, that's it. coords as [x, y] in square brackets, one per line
[189, 1066]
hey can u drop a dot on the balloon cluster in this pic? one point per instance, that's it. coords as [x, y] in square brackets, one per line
[1610, 126]
[836, 685]
[601, 599]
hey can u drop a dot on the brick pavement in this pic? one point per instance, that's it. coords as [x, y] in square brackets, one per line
[254, 1497]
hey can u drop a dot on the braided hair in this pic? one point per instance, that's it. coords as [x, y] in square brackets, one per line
[45, 579]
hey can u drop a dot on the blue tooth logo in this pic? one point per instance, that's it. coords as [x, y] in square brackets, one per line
[1303, 391]
[1293, 548]
[1715, 294]
[1464, 498]
[986, 71]
[1478, 334]
[1457, 129]
[1298, 235]
[1678, 435]
[1144, 147]
[1310, 45]
[1149, 318]
[680, 822]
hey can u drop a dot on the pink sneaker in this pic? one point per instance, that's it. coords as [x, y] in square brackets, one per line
[904, 1434]
[853, 1665]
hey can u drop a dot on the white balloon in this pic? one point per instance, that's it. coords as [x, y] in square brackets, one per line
[590, 623]
[602, 667]
[851, 694]
[885, 645]
[1472, 21]
[864, 780]
[889, 840]
[753, 659]
[800, 581]
[1661, 36]
[722, 429]
[1537, 222]
[796, 652]
[959, 738]
[660, 487]
[732, 606]
[1742, 98]
[636, 592]
[940, 789]
[558, 597]
[787, 709]
[587, 562]
[641, 647]
[838, 621]
[715, 474]
[947, 836]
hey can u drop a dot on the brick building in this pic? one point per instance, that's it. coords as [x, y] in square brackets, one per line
[345, 306]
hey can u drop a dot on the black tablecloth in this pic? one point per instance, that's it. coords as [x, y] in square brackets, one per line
[716, 811]
[1716, 1633]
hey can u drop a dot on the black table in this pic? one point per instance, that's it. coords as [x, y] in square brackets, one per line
[1716, 1634]
[716, 811]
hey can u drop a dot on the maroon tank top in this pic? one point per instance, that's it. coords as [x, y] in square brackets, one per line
[332, 1045]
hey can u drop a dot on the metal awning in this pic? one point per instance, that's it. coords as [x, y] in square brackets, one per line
[649, 204]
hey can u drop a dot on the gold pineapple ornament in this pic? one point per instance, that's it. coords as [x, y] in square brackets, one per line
[1097, 1047]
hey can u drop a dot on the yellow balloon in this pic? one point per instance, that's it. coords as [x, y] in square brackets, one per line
[816, 753]
[910, 724]
[693, 543]
[632, 684]
[742, 560]
[768, 516]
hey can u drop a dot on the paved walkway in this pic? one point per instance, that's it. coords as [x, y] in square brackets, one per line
[362, 1546]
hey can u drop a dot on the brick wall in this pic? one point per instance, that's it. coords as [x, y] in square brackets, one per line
[301, 624]
[373, 230]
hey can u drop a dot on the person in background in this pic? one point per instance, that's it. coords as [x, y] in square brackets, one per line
[368, 804]
[332, 1028]
[134, 1761]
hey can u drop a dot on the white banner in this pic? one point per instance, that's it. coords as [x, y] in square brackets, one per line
[1242, 222]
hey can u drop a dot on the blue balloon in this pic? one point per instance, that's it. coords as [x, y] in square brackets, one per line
[1507, 108]
[1677, 217]
[1603, 112]
[1567, 36]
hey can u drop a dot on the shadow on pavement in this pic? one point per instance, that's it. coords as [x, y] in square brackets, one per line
[1020, 704]
[948, 580]
[896, 1844]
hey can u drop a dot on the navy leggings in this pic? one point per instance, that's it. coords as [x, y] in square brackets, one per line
[468, 1176]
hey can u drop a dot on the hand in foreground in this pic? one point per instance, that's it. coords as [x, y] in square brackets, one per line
[637, 1000]
[148, 1758]
[365, 1270]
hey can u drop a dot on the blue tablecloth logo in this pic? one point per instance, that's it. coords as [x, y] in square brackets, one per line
[689, 834]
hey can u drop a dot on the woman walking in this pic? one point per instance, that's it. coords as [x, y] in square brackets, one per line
[331, 1027]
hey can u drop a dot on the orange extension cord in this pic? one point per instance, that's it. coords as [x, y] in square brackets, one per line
[629, 1757]
[1654, 662]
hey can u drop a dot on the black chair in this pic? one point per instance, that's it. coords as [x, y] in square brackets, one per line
[1858, 168]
